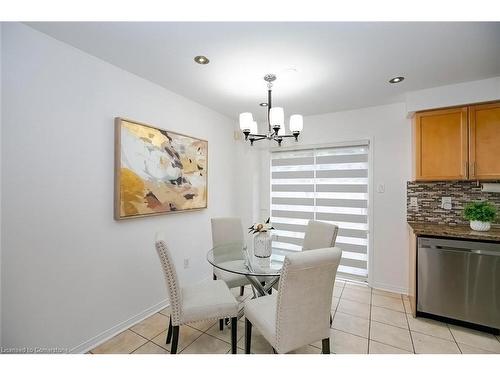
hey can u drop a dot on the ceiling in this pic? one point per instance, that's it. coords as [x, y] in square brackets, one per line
[321, 67]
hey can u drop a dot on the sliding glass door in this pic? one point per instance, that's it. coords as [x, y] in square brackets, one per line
[326, 184]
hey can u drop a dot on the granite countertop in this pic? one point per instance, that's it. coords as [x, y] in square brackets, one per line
[454, 231]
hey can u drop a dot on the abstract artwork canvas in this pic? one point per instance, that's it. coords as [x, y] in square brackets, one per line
[158, 171]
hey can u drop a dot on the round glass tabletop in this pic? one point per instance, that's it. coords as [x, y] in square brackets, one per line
[236, 258]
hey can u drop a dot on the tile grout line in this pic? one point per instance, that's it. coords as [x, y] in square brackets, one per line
[160, 312]
[335, 312]
[144, 337]
[370, 322]
[147, 342]
[390, 324]
[392, 346]
[408, 324]
[470, 345]
[421, 332]
[188, 345]
[434, 336]
[218, 338]
[454, 339]
[337, 306]
[196, 329]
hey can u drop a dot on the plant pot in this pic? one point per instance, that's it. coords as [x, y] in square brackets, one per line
[480, 226]
[262, 245]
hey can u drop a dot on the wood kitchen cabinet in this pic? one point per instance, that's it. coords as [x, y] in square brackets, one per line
[441, 145]
[461, 143]
[484, 141]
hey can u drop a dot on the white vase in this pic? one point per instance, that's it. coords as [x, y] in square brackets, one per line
[262, 245]
[480, 226]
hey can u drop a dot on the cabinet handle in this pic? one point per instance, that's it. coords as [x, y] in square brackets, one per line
[473, 167]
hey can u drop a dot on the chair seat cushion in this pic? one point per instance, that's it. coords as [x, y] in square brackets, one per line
[208, 300]
[232, 280]
[262, 314]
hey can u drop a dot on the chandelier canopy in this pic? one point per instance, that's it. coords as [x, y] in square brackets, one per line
[275, 120]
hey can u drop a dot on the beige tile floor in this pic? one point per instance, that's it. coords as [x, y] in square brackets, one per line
[365, 320]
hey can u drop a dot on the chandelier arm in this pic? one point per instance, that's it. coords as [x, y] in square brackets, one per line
[293, 135]
[258, 137]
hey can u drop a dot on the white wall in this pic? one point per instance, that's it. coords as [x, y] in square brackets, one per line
[484, 90]
[390, 132]
[69, 271]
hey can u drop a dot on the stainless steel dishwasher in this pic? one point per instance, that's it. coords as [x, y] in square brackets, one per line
[459, 280]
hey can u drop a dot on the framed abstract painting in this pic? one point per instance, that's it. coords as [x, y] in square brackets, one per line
[158, 171]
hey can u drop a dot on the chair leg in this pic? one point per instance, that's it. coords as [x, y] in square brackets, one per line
[326, 346]
[175, 339]
[169, 333]
[274, 351]
[242, 290]
[234, 327]
[248, 335]
[221, 321]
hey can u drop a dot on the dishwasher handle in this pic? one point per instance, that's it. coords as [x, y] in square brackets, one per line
[463, 250]
[479, 248]
[486, 252]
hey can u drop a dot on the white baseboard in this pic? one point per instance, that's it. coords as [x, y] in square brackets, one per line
[113, 331]
[389, 287]
[376, 285]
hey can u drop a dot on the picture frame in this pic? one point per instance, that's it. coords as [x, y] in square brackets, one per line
[157, 171]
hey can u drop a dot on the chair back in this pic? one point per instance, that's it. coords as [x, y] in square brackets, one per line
[171, 280]
[226, 230]
[319, 235]
[305, 298]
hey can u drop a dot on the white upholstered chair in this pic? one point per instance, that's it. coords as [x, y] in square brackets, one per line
[319, 235]
[298, 314]
[228, 230]
[206, 301]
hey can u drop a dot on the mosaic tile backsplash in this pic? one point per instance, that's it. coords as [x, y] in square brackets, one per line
[429, 196]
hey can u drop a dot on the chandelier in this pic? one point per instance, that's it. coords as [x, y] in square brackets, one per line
[275, 121]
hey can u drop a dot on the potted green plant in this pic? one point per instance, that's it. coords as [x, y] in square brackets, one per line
[480, 214]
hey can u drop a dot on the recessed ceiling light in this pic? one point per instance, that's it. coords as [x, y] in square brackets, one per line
[203, 60]
[396, 79]
[263, 104]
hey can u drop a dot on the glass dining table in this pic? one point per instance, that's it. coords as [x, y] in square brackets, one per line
[262, 273]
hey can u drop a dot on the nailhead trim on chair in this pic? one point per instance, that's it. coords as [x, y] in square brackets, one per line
[281, 287]
[208, 319]
[173, 287]
[171, 280]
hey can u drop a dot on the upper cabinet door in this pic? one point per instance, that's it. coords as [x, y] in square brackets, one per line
[484, 138]
[441, 145]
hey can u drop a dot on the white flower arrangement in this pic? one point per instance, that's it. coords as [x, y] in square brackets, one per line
[261, 227]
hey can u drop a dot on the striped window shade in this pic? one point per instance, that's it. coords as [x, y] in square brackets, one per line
[325, 184]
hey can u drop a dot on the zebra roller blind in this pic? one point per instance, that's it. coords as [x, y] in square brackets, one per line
[326, 184]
